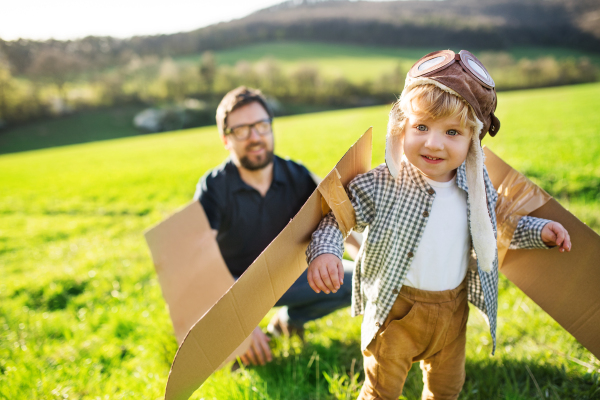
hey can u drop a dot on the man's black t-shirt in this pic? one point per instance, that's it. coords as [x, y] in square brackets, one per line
[247, 222]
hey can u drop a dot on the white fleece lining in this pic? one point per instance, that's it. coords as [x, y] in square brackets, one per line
[480, 224]
[482, 231]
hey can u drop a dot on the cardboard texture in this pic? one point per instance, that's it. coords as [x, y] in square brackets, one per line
[185, 254]
[565, 285]
[233, 318]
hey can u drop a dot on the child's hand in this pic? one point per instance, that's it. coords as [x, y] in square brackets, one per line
[554, 234]
[326, 273]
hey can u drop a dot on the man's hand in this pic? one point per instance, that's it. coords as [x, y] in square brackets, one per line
[554, 234]
[326, 273]
[259, 351]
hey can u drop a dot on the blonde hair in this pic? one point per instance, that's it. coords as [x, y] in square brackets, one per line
[433, 102]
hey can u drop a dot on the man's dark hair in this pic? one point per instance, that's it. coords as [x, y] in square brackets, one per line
[237, 98]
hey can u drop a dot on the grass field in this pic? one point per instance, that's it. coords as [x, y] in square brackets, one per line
[81, 313]
[358, 63]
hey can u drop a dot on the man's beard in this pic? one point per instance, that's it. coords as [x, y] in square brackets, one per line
[259, 164]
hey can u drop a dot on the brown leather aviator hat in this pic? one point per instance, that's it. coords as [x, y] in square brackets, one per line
[466, 75]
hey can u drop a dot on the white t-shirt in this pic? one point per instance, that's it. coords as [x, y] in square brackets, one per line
[441, 260]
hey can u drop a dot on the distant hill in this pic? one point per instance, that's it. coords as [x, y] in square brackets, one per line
[476, 24]
[473, 24]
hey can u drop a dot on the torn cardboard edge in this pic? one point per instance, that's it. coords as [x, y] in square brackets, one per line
[336, 199]
[565, 285]
[235, 315]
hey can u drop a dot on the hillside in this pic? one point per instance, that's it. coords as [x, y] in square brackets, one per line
[476, 24]
[482, 24]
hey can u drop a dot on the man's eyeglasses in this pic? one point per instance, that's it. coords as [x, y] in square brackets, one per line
[243, 132]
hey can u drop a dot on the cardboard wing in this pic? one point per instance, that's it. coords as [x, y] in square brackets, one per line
[191, 271]
[565, 285]
[243, 305]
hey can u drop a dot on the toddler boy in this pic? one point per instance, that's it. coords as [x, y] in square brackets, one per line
[431, 241]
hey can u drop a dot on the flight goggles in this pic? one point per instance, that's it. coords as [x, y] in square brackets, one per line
[444, 58]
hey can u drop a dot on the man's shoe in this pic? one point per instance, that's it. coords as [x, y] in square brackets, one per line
[277, 327]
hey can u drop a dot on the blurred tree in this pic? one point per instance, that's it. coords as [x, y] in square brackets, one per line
[6, 86]
[170, 80]
[111, 87]
[339, 91]
[56, 66]
[208, 71]
[225, 80]
[18, 53]
[588, 72]
[305, 81]
[391, 82]
[272, 78]
[139, 74]
[246, 74]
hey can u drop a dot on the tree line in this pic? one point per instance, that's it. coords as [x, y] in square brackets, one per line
[470, 24]
[56, 84]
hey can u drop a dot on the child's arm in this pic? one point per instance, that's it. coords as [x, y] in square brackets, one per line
[327, 242]
[325, 251]
[538, 233]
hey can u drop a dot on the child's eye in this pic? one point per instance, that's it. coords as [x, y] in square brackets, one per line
[421, 127]
[452, 132]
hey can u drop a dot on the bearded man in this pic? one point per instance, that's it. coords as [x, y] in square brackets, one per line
[249, 199]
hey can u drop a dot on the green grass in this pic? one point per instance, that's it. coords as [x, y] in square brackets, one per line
[81, 312]
[83, 127]
[358, 63]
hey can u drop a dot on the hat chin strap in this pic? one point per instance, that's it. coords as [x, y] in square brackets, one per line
[482, 232]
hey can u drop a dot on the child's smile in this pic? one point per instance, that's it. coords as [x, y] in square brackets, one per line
[436, 147]
[432, 160]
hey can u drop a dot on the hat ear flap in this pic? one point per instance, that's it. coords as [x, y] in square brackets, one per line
[394, 145]
[494, 125]
[482, 231]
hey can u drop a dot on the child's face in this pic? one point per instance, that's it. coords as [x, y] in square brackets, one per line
[436, 147]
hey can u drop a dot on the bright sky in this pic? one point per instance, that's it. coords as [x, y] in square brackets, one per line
[71, 19]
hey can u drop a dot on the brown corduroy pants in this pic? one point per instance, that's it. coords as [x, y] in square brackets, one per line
[424, 326]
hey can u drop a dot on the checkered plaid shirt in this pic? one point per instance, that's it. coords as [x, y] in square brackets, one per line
[394, 213]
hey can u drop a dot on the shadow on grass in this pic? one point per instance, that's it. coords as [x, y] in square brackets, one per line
[82, 127]
[53, 297]
[335, 371]
[94, 125]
